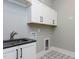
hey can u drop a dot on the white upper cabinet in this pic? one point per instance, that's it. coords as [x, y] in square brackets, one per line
[42, 14]
[23, 3]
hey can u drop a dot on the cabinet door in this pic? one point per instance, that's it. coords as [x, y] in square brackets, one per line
[28, 51]
[44, 13]
[12, 54]
[36, 11]
[55, 18]
[47, 14]
[52, 17]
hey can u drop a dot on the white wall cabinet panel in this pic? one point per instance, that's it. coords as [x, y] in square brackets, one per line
[10, 55]
[50, 15]
[35, 12]
[42, 14]
[29, 52]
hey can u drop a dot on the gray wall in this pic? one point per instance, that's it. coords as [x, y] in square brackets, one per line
[64, 34]
[15, 18]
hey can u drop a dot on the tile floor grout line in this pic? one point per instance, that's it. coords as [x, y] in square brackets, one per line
[56, 55]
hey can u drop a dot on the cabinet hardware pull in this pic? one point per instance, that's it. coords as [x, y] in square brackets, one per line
[41, 18]
[53, 21]
[21, 52]
[17, 54]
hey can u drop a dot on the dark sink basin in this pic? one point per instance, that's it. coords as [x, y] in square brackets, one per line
[16, 42]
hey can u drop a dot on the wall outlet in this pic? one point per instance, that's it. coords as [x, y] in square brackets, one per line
[34, 35]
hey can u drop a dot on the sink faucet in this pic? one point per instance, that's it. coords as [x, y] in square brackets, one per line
[13, 33]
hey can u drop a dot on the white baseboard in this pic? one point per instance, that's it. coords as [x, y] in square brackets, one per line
[67, 52]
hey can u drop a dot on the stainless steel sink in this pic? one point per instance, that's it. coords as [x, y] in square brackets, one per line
[16, 42]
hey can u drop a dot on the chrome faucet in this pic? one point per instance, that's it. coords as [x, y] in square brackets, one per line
[13, 33]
